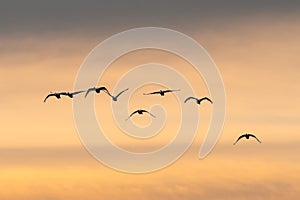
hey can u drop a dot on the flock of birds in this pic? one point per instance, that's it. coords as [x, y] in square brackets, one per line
[139, 111]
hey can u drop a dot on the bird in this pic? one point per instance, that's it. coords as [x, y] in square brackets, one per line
[198, 100]
[55, 94]
[97, 90]
[115, 98]
[247, 136]
[161, 92]
[71, 94]
[140, 112]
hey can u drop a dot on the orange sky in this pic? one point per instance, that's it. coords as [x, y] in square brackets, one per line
[42, 156]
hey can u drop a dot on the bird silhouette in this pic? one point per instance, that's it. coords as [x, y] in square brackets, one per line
[97, 90]
[198, 100]
[140, 112]
[72, 94]
[161, 92]
[247, 136]
[115, 98]
[55, 94]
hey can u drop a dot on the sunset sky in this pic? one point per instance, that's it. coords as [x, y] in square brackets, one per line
[255, 45]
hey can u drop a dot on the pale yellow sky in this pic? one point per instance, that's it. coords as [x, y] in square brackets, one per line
[260, 77]
[42, 156]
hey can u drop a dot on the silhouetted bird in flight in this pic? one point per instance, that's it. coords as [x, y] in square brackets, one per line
[97, 90]
[115, 98]
[161, 92]
[247, 136]
[71, 94]
[56, 94]
[140, 112]
[198, 100]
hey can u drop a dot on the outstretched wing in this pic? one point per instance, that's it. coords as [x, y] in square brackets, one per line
[170, 90]
[49, 95]
[77, 92]
[251, 135]
[158, 92]
[149, 113]
[189, 98]
[206, 98]
[132, 114]
[239, 139]
[121, 92]
[104, 89]
[88, 91]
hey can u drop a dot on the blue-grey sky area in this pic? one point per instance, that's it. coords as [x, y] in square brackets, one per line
[25, 17]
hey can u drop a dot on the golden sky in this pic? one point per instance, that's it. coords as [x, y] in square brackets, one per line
[41, 155]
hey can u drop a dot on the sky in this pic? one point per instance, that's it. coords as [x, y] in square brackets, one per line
[255, 45]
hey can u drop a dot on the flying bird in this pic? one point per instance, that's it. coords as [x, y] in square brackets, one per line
[198, 100]
[140, 112]
[161, 92]
[71, 94]
[56, 94]
[97, 90]
[247, 136]
[115, 98]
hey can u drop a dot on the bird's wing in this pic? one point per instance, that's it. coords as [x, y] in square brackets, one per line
[189, 98]
[239, 139]
[105, 90]
[251, 135]
[121, 92]
[88, 91]
[158, 92]
[77, 92]
[149, 113]
[206, 98]
[132, 114]
[170, 90]
[49, 95]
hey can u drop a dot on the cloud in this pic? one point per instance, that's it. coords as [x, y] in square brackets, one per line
[60, 16]
[71, 173]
